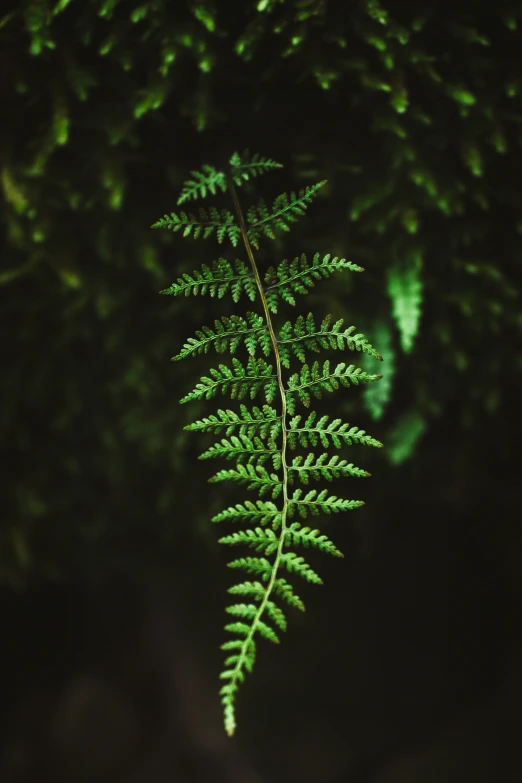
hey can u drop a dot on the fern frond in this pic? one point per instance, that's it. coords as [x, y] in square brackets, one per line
[250, 612]
[253, 565]
[405, 290]
[254, 476]
[315, 503]
[228, 333]
[377, 396]
[314, 381]
[218, 280]
[285, 591]
[299, 275]
[306, 537]
[296, 564]
[324, 467]
[405, 434]
[242, 448]
[261, 539]
[262, 511]
[238, 381]
[243, 166]
[335, 433]
[304, 335]
[255, 589]
[220, 221]
[244, 661]
[258, 439]
[276, 615]
[208, 178]
[265, 421]
[286, 209]
[262, 628]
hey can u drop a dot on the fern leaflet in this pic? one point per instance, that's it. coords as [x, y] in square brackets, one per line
[208, 179]
[262, 511]
[405, 290]
[219, 279]
[228, 334]
[245, 166]
[304, 335]
[286, 209]
[313, 381]
[298, 276]
[263, 420]
[211, 220]
[238, 380]
[336, 433]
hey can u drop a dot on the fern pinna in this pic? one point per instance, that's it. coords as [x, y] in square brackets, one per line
[264, 440]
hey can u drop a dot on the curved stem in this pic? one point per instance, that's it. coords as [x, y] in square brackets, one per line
[284, 513]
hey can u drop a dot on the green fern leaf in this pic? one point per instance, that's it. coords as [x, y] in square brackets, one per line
[315, 503]
[285, 591]
[211, 220]
[377, 396]
[228, 333]
[265, 421]
[405, 291]
[296, 564]
[313, 381]
[236, 628]
[247, 611]
[234, 644]
[298, 276]
[238, 381]
[207, 179]
[243, 166]
[303, 335]
[304, 536]
[253, 565]
[255, 589]
[254, 476]
[324, 467]
[261, 437]
[276, 615]
[242, 447]
[243, 628]
[267, 632]
[250, 612]
[263, 540]
[286, 209]
[404, 436]
[335, 433]
[263, 511]
[217, 281]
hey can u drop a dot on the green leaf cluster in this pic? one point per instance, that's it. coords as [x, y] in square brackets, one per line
[260, 220]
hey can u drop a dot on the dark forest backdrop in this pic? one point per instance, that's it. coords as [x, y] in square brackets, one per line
[413, 112]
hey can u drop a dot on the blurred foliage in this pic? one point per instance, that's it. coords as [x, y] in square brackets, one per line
[413, 113]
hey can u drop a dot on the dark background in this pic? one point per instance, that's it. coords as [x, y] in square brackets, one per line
[406, 666]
